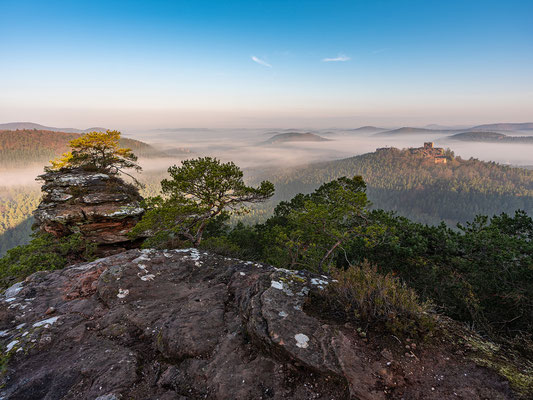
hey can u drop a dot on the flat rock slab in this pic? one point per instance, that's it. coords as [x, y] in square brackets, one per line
[184, 324]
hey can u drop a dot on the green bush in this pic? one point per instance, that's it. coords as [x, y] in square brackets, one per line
[222, 246]
[480, 273]
[44, 252]
[364, 294]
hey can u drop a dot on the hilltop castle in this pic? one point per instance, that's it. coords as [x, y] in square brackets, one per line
[437, 154]
[429, 151]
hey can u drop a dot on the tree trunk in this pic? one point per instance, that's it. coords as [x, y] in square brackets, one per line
[320, 268]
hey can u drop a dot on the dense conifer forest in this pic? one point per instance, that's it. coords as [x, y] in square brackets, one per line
[417, 188]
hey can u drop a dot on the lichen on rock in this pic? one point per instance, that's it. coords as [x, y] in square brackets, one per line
[226, 329]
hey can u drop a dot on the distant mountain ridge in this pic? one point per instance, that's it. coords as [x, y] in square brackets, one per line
[436, 129]
[408, 130]
[490, 137]
[511, 126]
[295, 137]
[368, 129]
[11, 126]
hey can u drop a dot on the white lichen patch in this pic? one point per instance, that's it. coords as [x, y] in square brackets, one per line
[46, 323]
[142, 267]
[4, 333]
[140, 259]
[316, 281]
[88, 265]
[195, 255]
[10, 300]
[304, 291]
[125, 211]
[72, 179]
[21, 306]
[20, 326]
[277, 285]
[242, 273]
[283, 314]
[148, 277]
[13, 290]
[284, 270]
[302, 340]
[122, 293]
[10, 345]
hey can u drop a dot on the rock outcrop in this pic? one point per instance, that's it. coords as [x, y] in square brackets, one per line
[102, 207]
[185, 324]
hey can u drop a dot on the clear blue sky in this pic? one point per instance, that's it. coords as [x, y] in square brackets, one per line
[265, 63]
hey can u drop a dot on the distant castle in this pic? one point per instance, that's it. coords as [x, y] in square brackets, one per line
[428, 151]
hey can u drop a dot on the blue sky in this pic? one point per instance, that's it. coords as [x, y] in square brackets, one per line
[265, 63]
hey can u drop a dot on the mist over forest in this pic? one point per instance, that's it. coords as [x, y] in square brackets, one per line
[243, 146]
[247, 148]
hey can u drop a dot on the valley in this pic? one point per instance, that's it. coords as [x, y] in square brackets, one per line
[298, 161]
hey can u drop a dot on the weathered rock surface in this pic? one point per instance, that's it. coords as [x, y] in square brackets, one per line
[101, 207]
[185, 324]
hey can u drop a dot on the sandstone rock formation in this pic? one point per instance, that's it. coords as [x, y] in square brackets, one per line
[101, 207]
[185, 324]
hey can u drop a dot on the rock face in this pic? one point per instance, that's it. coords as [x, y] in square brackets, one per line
[101, 207]
[189, 325]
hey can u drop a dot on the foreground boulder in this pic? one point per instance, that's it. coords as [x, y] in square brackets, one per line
[185, 324]
[102, 207]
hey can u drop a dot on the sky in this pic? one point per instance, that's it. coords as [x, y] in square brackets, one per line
[197, 63]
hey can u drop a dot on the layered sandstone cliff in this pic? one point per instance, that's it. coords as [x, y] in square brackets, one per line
[102, 207]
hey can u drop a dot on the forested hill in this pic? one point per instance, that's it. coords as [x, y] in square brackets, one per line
[295, 137]
[418, 188]
[18, 147]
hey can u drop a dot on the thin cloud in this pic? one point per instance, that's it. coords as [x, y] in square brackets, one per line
[261, 62]
[340, 57]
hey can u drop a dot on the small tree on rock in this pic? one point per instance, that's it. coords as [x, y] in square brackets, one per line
[97, 151]
[199, 192]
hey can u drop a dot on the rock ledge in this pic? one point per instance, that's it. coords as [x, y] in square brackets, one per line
[185, 324]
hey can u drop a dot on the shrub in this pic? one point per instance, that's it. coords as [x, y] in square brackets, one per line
[44, 252]
[364, 294]
[222, 246]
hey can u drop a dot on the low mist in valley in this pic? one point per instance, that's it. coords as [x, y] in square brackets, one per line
[247, 148]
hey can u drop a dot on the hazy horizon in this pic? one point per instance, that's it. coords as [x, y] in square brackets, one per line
[242, 64]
